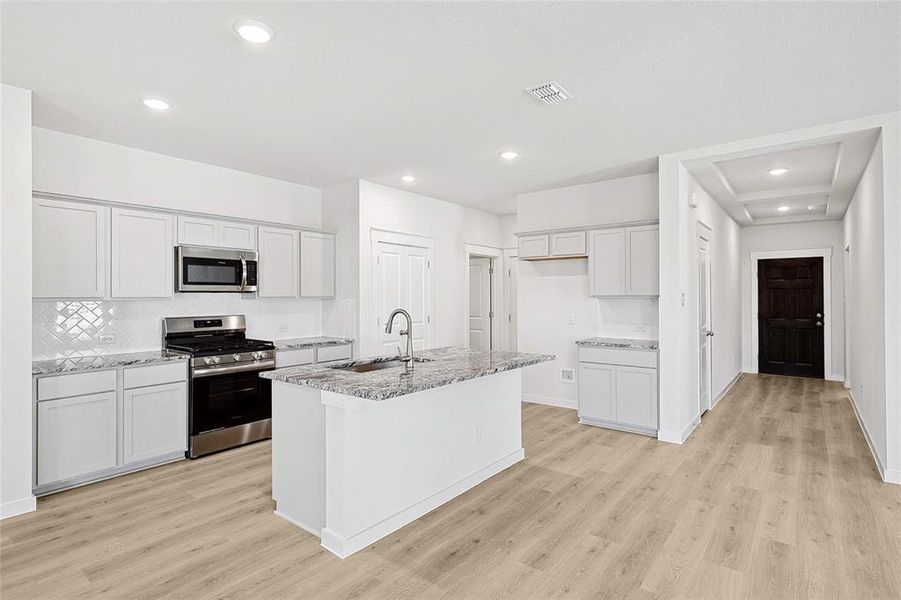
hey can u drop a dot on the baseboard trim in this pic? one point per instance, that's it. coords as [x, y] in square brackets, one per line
[345, 546]
[297, 523]
[674, 437]
[726, 389]
[887, 476]
[840, 377]
[14, 508]
[618, 426]
[550, 401]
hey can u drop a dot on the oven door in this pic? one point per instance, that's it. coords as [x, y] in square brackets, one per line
[228, 410]
[215, 270]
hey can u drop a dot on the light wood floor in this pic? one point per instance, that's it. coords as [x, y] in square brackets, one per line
[775, 496]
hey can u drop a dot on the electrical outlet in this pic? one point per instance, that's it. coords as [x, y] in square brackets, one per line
[567, 375]
[283, 329]
[107, 339]
[641, 328]
[570, 320]
[477, 432]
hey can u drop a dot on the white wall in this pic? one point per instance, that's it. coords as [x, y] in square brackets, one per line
[88, 168]
[508, 228]
[450, 226]
[725, 271]
[554, 308]
[603, 202]
[796, 236]
[341, 211]
[15, 303]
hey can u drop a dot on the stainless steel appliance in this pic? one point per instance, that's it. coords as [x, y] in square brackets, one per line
[199, 269]
[229, 403]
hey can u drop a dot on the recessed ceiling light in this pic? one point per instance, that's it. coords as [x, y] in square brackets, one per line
[784, 208]
[778, 172]
[254, 31]
[407, 178]
[155, 103]
[509, 154]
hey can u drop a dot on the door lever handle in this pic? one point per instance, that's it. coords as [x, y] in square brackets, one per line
[819, 323]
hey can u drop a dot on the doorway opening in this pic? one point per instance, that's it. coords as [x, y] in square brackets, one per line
[483, 297]
[790, 316]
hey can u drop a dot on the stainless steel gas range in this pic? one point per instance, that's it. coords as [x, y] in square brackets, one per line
[229, 404]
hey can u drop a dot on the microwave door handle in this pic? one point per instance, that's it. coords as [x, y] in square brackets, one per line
[243, 273]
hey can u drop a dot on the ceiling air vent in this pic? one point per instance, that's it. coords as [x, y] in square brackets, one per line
[549, 93]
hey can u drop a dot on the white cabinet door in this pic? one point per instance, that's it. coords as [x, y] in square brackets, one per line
[155, 421]
[279, 272]
[198, 231]
[533, 246]
[76, 436]
[597, 391]
[69, 241]
[568, 244]
[142, 254]
[317, 264]
[607, 262]
[241, 236]
[644, 261]
[636, 396]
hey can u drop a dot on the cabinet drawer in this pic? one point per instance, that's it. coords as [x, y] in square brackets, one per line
[76, 384]
[613, 356]
[293, 358]
[533, 246]
[330, 353]
[156, 374]
[568, 244]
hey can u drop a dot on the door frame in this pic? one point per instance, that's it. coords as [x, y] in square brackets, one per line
[511, 255]
[705, 232]
[826, 255]
[369, 344]
[497, 295]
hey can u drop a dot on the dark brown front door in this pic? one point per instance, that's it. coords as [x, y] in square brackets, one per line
[790, 301]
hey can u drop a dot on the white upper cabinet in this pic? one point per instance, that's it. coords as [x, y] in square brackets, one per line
[571, 243]
[69, 245]
[644, 261]
[317, 264]
[607, 262]
[279, 269]
[533, 246]
[142, 254]
[624, 262]
[198, 231]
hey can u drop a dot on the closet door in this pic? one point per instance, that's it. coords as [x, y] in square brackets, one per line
[402, 279]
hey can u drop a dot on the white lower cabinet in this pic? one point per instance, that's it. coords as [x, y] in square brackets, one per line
[619, 396]
[93, 425]
[155, 421]
[76, 437]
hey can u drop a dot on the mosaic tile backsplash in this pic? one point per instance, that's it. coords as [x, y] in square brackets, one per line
[74, 328]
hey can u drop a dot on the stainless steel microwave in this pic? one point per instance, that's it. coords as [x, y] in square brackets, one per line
[199, 269]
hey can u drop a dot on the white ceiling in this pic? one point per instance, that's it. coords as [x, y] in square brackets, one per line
[820, 179]
[375, 90]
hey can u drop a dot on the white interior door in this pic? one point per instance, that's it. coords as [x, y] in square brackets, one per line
[402, 279]
[705, 332]
[480, 303]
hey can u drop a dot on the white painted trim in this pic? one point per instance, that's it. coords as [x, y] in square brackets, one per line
[510, 257]
[344, 547]
[14, 508]
[726, 389]
[674, 437]
[307, 528]
[826, 255]
[887, 476]
[498, 301]
[550, 401]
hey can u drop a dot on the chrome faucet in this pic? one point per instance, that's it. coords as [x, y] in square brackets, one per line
[407, 332]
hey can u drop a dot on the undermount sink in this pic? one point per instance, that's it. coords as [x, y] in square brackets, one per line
[376, 365]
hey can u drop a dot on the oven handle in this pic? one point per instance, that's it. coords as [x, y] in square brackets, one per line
[243, 273]
[262, 365]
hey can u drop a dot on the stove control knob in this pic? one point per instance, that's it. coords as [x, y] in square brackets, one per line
[257, 356]
[237, 357]
[216, 360]
[207, 360]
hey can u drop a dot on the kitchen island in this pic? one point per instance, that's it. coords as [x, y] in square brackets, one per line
[362, 448]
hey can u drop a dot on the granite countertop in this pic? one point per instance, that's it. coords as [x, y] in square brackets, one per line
[442, 366]
[621, 343]
[106, 361]
[316, 341]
